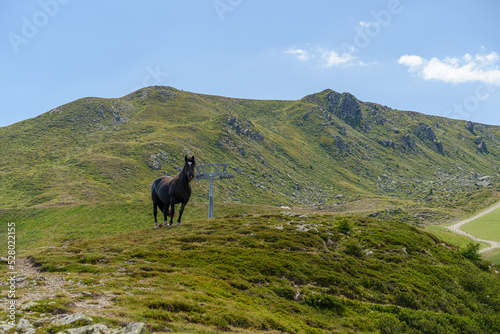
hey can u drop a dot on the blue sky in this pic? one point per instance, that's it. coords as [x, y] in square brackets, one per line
[435, 57]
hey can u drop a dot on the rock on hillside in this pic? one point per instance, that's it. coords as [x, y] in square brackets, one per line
[425, 132]
[344, 106]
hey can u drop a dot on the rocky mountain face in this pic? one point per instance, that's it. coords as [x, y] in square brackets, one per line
[304, 152]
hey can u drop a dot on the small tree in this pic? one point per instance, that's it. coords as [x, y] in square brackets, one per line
[471, 252]
[345, 226]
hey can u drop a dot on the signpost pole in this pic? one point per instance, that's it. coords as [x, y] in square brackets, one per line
[212, 172]
[211, 197]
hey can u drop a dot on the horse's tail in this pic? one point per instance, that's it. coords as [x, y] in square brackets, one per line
[157, 201]
[154, 187]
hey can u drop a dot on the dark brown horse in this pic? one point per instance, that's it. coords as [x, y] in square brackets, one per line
[168, 191]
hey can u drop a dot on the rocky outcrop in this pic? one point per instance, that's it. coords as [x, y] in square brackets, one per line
[91, 329]
[245, 128]
[344, 106]
[483, 181]
[408, 144]
[379, 120]
[306, 115]
[342, 130]
[162, 93]
[349, 109]
[469, 126]
[425, 132]
[25, 326]
[78, 323]
[242, 151]
[156, 160]
[72, 320]
[117, 113]
[388, 143]
[481, 147]
[134, 328]
[342, 146]
[438, 145]
[332, 101]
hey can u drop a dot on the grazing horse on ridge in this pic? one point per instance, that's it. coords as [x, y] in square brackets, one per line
[167, 191]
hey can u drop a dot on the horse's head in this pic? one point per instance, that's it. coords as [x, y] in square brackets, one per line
[189, 167]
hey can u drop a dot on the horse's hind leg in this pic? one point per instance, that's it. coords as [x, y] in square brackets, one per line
[166, 213]
[155, 211]
[156, 204]
[172, 210]
[156, 201]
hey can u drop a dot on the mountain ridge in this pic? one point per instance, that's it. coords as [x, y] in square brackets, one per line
[350, 256]
[322, 150]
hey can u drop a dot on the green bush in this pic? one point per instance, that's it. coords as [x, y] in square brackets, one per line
[325, 302]
[173, 305]
[389, 324]
[471, 252]
[54, 308]
[239, 284]
[345, 226]
[407, 299]
[354, 250]
[285, 292]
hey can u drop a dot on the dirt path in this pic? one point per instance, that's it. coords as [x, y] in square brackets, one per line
[43, 286]
[456, 228]
[42, 289]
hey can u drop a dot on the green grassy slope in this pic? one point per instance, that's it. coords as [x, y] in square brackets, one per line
[50, 226]
[495, 257]
[327, 149]
[279, 273]
[486, 227]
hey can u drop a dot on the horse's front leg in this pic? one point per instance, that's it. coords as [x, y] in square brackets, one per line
[180, 212]
[154, 213]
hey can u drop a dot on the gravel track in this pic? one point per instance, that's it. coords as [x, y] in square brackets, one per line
[456, 228]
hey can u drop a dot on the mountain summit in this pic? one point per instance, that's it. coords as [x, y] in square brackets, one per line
[326, 149]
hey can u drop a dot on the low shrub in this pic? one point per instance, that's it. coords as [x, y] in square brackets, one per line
[325, 302]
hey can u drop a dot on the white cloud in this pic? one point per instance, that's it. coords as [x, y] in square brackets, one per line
[413, 62]
[326, 58]
[301, 55]
[467, 68]
[365, 24]
[332, 58]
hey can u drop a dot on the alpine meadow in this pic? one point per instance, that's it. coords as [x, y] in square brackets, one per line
[334, 222]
